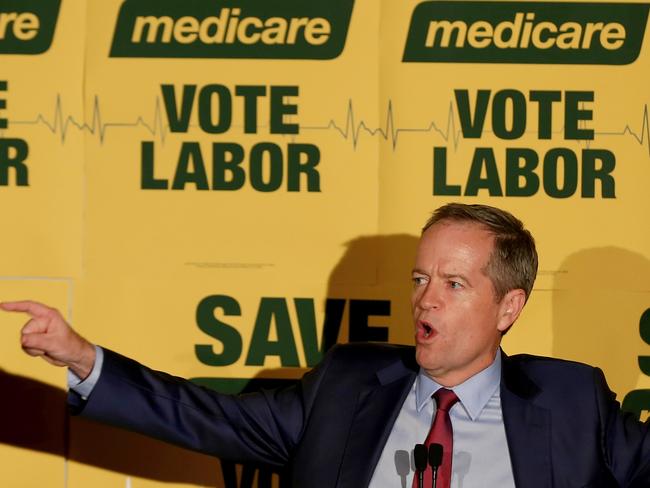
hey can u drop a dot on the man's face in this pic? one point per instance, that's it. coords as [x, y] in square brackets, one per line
[458, 322]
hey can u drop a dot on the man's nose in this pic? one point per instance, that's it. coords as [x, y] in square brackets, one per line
[431, 296]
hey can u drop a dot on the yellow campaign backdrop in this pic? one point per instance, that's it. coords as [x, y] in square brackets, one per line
[216, 246]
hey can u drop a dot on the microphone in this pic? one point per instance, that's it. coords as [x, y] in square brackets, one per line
[435, 460]
[420, 458]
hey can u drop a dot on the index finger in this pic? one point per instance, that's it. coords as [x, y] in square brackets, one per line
[35, 309]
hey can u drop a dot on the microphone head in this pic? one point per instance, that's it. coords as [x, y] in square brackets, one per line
[420, 457]
[435, 455]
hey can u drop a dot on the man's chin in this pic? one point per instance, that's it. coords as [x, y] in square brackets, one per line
[425, 357]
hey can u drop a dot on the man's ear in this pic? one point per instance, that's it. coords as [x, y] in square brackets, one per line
[511, 306]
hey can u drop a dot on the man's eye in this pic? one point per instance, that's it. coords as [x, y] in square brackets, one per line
[455, 285]
[418, 280]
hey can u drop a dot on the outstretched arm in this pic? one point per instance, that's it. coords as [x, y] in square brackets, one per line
[48, 335]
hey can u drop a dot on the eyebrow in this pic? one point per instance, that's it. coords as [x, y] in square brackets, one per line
[457, 275]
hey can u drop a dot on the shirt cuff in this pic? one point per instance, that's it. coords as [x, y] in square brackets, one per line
[85, 387]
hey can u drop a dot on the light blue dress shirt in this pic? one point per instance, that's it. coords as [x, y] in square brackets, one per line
[481, 457]
[86, 386]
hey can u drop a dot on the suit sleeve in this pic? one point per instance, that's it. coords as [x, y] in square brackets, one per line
[625, 440]
[261, 427]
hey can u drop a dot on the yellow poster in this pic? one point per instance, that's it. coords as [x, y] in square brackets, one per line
[225, 189]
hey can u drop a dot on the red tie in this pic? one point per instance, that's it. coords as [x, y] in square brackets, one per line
[442, 433]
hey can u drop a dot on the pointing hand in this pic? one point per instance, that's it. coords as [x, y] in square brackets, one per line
[48, 335]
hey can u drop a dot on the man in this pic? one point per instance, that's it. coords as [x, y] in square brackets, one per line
[351, 422]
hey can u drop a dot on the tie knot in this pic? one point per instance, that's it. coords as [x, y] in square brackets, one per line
[445, 399]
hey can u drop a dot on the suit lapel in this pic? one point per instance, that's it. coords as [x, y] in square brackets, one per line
[528, 428]
[376, 410]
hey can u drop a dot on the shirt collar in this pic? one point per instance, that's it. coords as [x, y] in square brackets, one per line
[473, 393]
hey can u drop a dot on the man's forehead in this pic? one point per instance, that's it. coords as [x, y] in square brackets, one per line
[459, 240]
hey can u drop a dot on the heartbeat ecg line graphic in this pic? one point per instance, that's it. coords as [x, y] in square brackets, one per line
[61, 124]
[627, 130]
[351, 130]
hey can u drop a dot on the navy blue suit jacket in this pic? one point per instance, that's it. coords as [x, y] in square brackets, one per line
[563, 425]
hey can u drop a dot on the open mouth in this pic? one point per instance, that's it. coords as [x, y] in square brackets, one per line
[426, 330]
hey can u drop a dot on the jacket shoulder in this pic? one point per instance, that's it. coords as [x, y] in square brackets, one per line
[544, 364]
[373, 353]
[362, 364]
[555, 376]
